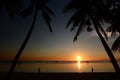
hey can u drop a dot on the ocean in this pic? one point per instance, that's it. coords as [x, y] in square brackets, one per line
[54, 66]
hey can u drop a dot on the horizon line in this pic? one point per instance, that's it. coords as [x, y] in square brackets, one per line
[61, 61]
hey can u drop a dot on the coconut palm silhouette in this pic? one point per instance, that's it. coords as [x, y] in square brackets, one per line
[13, 7]
[114, 28]
[34, 7]
[92, 12]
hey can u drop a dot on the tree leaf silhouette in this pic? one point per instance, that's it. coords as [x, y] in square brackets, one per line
[116, 45]
[12, 6]
[47, 19]
[28, 11]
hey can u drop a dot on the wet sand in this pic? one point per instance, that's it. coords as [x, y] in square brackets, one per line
[61, 76]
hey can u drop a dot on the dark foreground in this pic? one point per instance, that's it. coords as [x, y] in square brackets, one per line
[61, 76]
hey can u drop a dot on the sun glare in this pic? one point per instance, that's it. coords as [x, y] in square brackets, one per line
[78, 59]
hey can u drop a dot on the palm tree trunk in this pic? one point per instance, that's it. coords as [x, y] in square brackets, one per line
[11, 70]
[108, 50]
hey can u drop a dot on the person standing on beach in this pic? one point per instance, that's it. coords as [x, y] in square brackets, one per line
[92, 69]
[39, 70]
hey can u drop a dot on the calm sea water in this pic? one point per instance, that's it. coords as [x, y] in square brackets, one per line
[58, 67]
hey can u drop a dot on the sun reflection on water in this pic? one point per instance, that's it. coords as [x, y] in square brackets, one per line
[79, 64]
[78, 59]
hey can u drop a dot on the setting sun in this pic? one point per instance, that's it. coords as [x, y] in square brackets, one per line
[78, 58]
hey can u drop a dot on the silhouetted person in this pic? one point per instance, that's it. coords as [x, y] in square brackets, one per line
[39, 70]
[92, 69]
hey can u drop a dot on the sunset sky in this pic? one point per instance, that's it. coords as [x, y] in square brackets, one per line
[44, 45]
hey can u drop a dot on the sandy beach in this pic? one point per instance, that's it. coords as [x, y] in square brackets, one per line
[61, 76]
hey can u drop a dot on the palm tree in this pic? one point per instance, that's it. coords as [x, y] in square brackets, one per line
[35, 6]
[114, 28]
[12, 6]
[116, 45]
[88, 12]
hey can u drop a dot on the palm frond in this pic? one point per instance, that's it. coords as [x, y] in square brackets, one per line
[13, 6]
[116, 45]
[76, 4]
[47, 19]
[113, 29]
[39, 3]
[75, 19]
[80, 28]
[103, 13]
[88, 22]
[28, 11]
[101, 28]
[48, 10]
[89, 29]
[70, 21]
[103, 32]
[109, 3]
[74, 25]
[70, 6]
[1, 4]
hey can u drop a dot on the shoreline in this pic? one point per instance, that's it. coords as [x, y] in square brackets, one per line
[61, 76]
